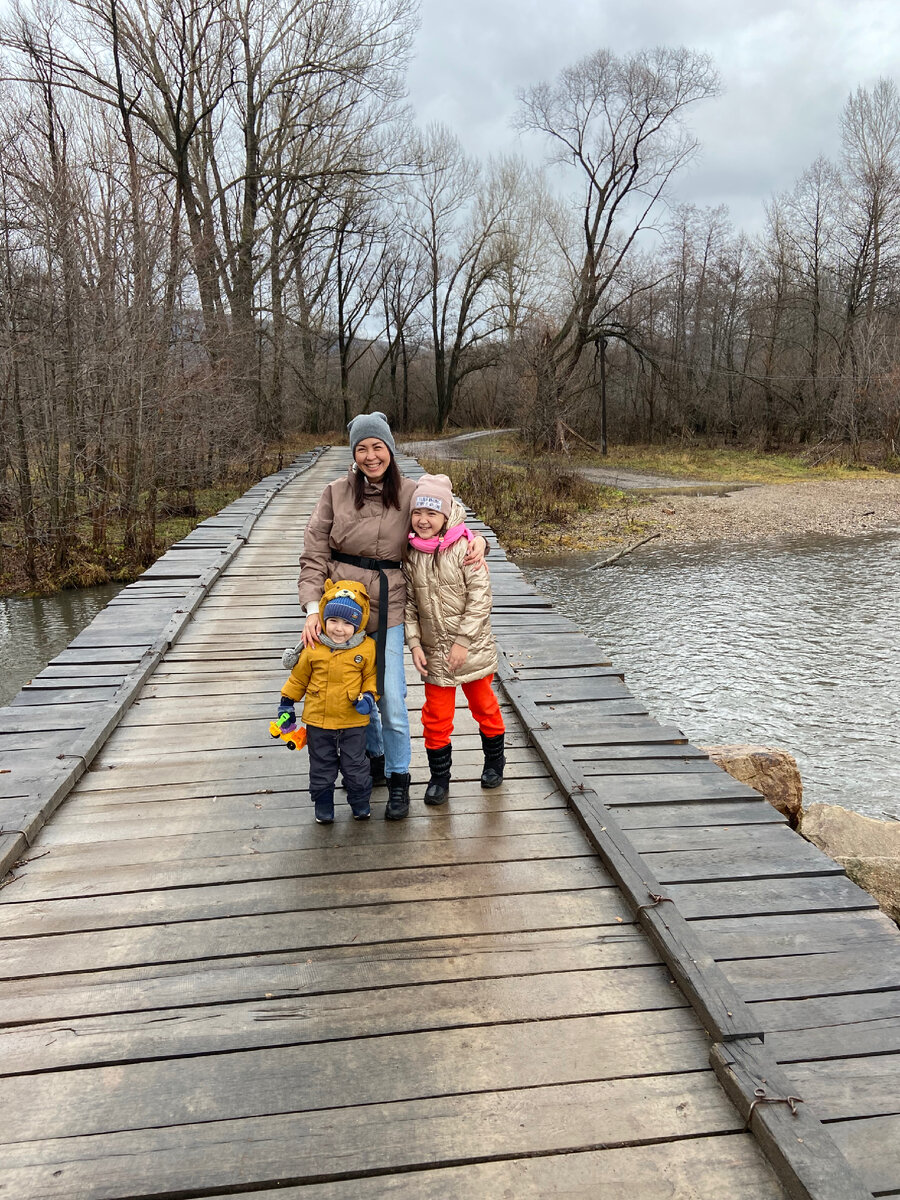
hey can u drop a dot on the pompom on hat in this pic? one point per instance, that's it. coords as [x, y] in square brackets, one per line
[434, 492]
[371, 425]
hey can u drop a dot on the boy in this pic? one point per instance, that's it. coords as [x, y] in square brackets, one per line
[337, 679]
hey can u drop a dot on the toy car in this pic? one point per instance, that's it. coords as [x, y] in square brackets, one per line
[294, 739]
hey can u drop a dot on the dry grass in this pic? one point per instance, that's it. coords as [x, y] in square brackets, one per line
[533, 508]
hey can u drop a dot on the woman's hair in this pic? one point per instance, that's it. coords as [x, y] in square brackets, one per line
[390, 487]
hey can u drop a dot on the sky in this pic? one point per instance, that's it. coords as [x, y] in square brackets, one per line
[786, 71]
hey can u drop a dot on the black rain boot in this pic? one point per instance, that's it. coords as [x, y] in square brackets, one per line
[439, 784]
[376, 766]
[494, 760]
[398, 798]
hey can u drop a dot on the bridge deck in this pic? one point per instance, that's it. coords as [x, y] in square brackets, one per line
[205, 993]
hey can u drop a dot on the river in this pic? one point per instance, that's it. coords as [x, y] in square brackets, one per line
[792, 644]
[34, 630]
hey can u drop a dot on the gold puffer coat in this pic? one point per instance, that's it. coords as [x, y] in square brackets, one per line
[331, 679]
[446, 603]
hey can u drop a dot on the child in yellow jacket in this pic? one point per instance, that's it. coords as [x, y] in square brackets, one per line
[336, 681]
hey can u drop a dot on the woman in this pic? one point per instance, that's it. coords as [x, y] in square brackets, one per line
[357, 531]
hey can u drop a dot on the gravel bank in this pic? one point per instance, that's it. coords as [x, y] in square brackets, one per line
[756, 514]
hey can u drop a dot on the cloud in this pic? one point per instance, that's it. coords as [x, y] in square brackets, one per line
[786, 68]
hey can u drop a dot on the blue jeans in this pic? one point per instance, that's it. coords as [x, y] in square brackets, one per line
[388, 732]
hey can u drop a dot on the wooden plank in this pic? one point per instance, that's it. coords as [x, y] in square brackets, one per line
[850, 1088]
[309, 1147]
[45, 696]
[292, 894]
[707, 1169]
[447, 833]
[331, 971]
[564, 689]
[774, 896]
[701, 812]
[824, 1013]
[860, 968]
[286, 798]
[803, 934]
[861, 1037]
[84, 878]
[599, 1024]
[664, 789]
[196, 940]
[872, 1147]
[423, 824]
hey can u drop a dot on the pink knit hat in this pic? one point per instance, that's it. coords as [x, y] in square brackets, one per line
[433, 491]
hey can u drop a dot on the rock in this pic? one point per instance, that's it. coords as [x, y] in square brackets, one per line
[867, 849]
[880, 877]
[771, 771]
[840, 832]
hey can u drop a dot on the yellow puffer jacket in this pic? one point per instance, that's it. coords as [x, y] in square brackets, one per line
[446, 603]
[330, 679]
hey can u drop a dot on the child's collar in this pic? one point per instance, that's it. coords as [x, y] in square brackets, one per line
[357, 640]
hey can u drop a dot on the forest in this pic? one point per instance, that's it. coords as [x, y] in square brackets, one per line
[221, 229]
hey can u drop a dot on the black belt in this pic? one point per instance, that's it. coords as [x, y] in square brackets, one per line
[380, 565]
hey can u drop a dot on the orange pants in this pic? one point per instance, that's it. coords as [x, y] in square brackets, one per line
[440, 705]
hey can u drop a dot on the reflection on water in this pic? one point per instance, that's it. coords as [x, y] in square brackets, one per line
[794, 645]
[32, 631]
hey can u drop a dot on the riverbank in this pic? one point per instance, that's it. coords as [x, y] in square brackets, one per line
[97, 551]
[748, 515]
[683, 496]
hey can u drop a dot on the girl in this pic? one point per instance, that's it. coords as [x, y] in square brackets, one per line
[448, 632]
[358, 531]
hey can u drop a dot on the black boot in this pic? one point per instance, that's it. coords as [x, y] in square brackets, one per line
[494, 760]
[324, 806]
[376, 766]
[439, 784]
[398, 798]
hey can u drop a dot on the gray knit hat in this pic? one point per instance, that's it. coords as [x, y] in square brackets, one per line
[371, 425]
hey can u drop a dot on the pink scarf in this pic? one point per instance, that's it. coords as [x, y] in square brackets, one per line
[443, 542]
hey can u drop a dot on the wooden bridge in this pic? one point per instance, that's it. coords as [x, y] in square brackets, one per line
[621, 975]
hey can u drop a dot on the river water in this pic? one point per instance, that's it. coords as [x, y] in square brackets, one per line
[792, 645]
[34, 630]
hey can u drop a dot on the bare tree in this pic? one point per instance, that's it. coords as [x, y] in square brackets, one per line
[617, 123]
[456, 216]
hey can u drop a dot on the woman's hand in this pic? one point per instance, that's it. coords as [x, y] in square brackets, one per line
[420, 662]
[311, 630]
[476, 552]
[457, 656]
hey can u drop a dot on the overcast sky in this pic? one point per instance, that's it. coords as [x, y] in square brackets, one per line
[786, 69]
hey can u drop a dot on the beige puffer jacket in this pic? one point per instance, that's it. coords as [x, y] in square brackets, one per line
[446, 603]
[372, 531]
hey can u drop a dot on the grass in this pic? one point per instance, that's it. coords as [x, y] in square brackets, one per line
[534, 509]
[700, 463]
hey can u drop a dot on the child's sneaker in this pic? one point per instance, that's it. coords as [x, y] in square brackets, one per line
[361, 810]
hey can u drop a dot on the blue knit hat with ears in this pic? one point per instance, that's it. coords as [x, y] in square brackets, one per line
[346, 608]
[371, 425]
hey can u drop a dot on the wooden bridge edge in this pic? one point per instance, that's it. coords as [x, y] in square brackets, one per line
[805, 1158]
[39, 803]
